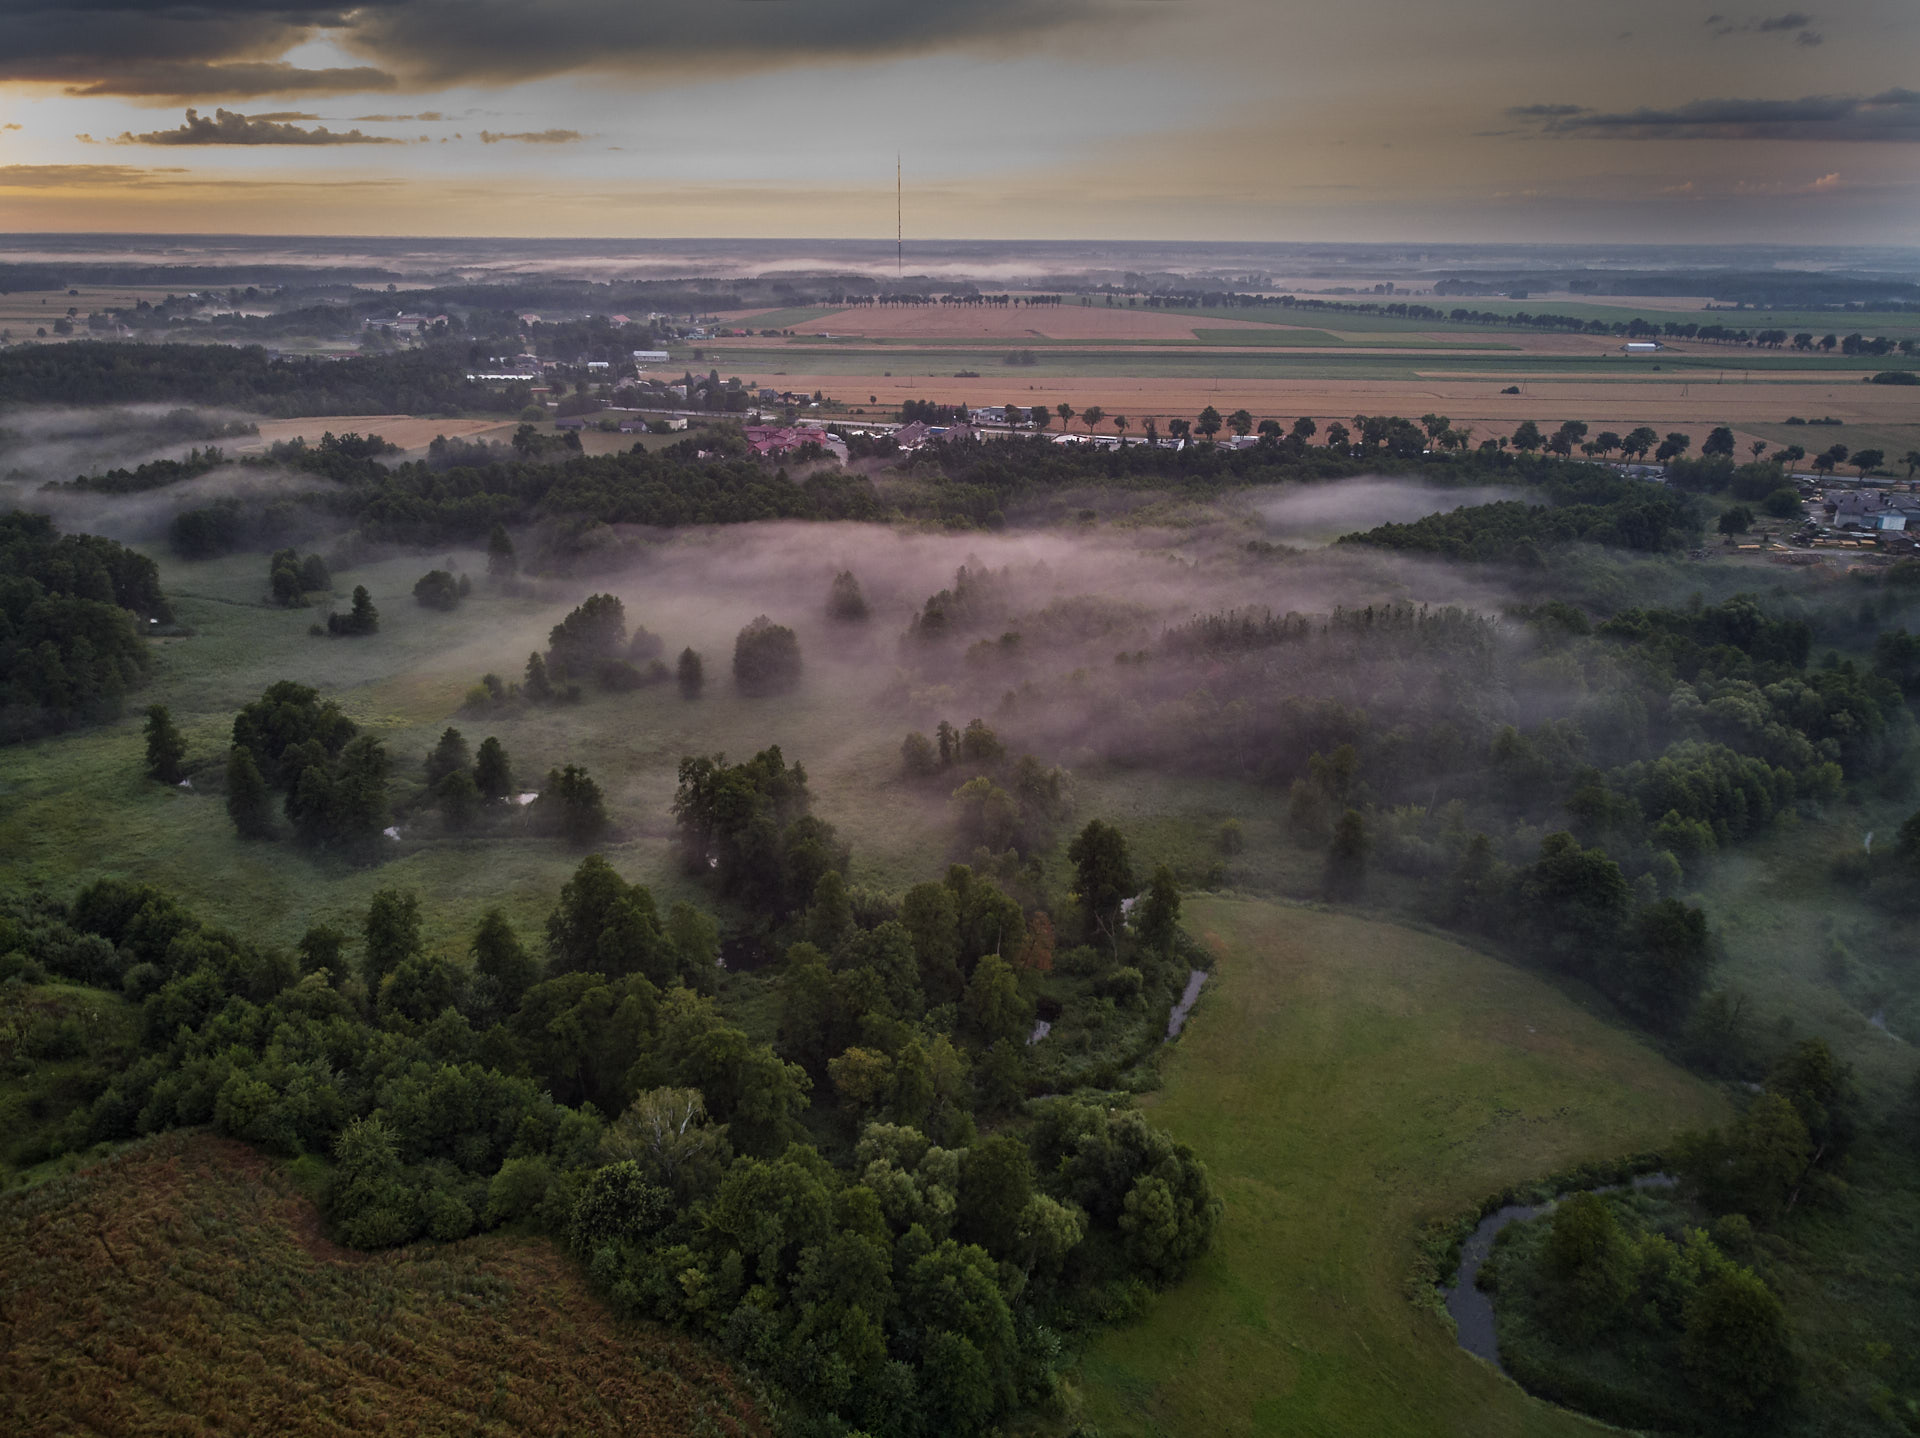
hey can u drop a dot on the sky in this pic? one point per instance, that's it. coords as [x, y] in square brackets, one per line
[1401, 120]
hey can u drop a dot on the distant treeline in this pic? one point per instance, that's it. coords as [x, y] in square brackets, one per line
[461, 491]
[425, 381]
[1597, 507]
[1635, 328]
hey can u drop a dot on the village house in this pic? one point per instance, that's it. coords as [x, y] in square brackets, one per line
[771, 441]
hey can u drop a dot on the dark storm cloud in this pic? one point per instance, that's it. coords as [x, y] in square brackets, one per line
[1891, 115]
[225, 127]
[447, 41]
[216, 48]
[231, 48]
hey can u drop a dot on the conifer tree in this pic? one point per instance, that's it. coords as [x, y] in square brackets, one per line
[165, 747]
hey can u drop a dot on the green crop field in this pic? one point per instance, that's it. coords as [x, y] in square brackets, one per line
[783, 319]
[1347, 1080]
[1289, 339]
[862, 358]
[1893, 324]
[183, 1287]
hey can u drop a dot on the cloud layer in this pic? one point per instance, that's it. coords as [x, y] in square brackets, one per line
[235, 48]
[229, 128]
[1890, 115]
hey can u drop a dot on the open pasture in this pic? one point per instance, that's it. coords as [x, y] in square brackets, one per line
[26, 311]
[1345, 1081]
[183, 1287]
[780, 319]
[1011, 324]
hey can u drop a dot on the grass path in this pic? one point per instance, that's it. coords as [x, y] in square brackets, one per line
[1346, 1080]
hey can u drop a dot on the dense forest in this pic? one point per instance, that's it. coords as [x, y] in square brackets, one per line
[73, 611]
[425, 381]
[867, 1212]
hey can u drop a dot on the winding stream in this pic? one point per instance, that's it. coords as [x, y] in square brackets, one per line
[1472, 1309]
[1177, 1020]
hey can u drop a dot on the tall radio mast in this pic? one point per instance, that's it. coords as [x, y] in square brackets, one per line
[899, 222]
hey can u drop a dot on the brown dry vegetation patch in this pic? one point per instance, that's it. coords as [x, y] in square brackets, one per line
[184, 1287]
[405, 430]
[1689, 404]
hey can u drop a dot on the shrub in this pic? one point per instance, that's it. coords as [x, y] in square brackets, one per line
[766, 659]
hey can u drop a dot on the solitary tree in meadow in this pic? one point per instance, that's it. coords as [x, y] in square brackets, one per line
[165, 747]
[500, 556]
[1091, 419]
[492, 772]
[1065, 411]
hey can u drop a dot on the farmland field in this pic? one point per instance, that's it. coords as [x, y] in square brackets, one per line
[1347, 1080]
[183, 1287]
[782, 319]
[410, 432]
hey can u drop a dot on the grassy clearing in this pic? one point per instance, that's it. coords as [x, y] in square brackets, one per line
[1894, 440]
[1346, 1080]
[783, 319]
[1283, 339]
[183, 1287]
[1819, 322]
[79, 806]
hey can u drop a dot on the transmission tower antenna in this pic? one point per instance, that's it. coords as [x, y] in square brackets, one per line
[899, 222]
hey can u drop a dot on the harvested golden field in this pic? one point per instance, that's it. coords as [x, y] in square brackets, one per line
[1686, 404]
[405, 430]
[25, 311]
[183, 1287]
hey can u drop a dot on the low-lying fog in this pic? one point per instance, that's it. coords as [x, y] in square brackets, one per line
[1321, 513]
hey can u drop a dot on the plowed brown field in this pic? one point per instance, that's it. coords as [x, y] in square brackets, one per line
[184, 1288]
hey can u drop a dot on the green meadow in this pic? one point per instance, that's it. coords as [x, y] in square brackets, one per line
[1251, 362]
[1346, 1081]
